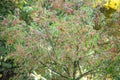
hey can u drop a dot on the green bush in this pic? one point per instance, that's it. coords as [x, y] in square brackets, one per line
[57, 40]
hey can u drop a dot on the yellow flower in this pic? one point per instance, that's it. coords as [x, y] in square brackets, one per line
[109, 4]
[108, 7]
[114, 4]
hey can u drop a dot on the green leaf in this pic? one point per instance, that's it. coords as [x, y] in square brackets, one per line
[6, 65]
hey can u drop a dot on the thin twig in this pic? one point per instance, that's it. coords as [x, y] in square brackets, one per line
[75, 69]
[54, 71]
[88, 72]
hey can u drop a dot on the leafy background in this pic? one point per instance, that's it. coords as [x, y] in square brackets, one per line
[58, 40]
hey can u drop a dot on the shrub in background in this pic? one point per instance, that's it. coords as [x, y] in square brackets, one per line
[58, 46]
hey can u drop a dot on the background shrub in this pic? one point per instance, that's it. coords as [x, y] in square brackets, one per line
[59, 41]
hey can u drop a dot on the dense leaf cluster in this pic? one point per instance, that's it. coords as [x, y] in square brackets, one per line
[58, 40]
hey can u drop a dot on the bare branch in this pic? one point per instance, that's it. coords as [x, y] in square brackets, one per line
[54, 71]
